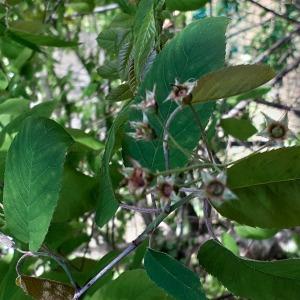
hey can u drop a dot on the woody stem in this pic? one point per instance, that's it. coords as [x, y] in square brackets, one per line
[135, 243]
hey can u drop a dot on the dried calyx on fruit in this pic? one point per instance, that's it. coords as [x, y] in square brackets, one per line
[6, 241]
[181, 91]
[215, 188]
[277, 131]
[165, 188]
[143, 130]
[137, 179]
[148, 104]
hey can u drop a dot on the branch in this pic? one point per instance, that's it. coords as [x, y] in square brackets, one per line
[279, 106]
[284, 17]
[100, 9]
[287, 70]
[134, 244]
[247, 28]
[140, 209]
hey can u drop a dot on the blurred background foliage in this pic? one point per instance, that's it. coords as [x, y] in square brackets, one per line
[77, 62]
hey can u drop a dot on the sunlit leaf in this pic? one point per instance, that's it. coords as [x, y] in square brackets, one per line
[254, 233]
[33, 176]
[231, 81]
[42, 40]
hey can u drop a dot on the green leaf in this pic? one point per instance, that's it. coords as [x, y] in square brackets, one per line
[144, 35]
[38, 287]
[120, 93]
[3, 80]
[109, 70]
[131, 285]
[230, 243]
[185, 5]
[241, 129]
[32, 179]
[14, 106]
[85, 139]
[256, 93]
[231, 81]
[254, 233]
[125, 57]
[268, 187]
[126, 6]
[44, 109]
[172, 276]
[111, 38]
[42, 40]
[107, 203]
[2, 10]
[255, 280]
[78, 195]
[182, 59]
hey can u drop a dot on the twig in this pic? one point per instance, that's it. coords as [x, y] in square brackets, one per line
[59, 260]
[57, 4]
[207, 218]
[279, 43]
[247, 28]
[134, 244]
[202, 130]
[140, 209]
[278, 106]
[284, 17]
[172, 139]
[166, 135]
[188, 168]
[287, 70]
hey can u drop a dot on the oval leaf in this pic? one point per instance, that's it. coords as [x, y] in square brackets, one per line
[144, 34]
[32, 179]
[120, 93]
[131, 285]
[231, 81]
[182, 59]
[255, 280]
[172, 276]
[42, 40]
[268, 187]
[238, 128]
